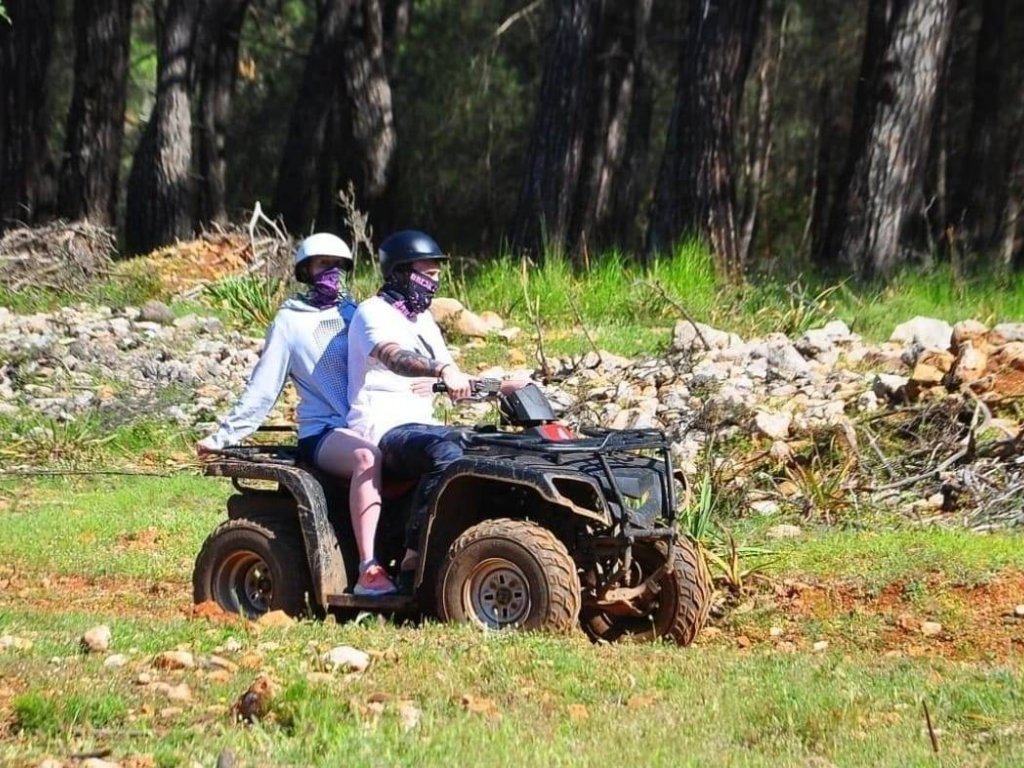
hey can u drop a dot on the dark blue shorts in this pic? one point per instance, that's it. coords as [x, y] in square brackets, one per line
[308, 446]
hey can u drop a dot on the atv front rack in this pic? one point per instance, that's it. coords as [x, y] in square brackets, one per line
[599, 443]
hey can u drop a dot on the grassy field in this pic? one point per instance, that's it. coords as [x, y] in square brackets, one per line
[819, 662]
[829, 655]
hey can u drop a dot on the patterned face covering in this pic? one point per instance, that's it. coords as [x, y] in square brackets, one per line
[326, 288]
[409, 292]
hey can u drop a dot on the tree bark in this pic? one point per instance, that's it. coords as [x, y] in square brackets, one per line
[556, 156]
[882, 186]
[160, 192]
[25, 46]
[95, 125]
[220, 32]
[759, 134]
[620, 123]
[696, 190]
[369, 127]
[397, 18]
[321, 79]
[977, 208]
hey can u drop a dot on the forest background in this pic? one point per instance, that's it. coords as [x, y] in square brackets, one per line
[855, 138]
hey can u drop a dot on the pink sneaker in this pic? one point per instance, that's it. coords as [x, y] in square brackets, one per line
[374, 582]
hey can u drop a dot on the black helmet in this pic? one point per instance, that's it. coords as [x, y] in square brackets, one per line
[405, 247]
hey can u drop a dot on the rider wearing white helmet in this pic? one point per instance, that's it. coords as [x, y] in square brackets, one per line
[308, 342]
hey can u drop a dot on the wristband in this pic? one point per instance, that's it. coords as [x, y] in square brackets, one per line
[440, 371]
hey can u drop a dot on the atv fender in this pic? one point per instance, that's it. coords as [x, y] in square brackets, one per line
[453, 497]
[323, 552]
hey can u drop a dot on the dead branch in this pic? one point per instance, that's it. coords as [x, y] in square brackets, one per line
[682, 310]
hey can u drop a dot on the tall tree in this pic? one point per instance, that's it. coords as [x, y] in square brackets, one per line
[369, 126]
[318, 92]
[95, 125]
[696, 189]
[219, 35]
[25, 46]
[977, 205]
[160, 190]
[619, 119]
[880, 190]
[397, 18]
[556, 155]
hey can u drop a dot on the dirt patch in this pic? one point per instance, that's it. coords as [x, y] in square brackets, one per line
[930, 616]
[108, 596]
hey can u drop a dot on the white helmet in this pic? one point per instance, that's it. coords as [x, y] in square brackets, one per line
[323, 244]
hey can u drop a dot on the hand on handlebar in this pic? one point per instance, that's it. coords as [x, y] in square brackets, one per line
[458, 384]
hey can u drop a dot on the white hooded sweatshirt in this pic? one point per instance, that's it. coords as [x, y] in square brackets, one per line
[310, 345]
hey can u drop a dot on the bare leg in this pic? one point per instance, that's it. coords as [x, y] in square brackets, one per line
[347, 455]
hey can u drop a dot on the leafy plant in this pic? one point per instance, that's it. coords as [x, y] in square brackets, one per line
[251, 298]
[824, 476]
[717, 544]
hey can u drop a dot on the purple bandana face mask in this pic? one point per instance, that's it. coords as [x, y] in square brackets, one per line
[326, 288]
[409, 292]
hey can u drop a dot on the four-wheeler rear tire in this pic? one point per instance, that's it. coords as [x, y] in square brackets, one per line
[509, 573]
[253, 568]
[677, 613]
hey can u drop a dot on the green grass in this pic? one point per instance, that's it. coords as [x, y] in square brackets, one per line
[141, 527]
[536, 700]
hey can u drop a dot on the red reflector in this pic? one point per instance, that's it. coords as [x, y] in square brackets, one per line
[555, 432]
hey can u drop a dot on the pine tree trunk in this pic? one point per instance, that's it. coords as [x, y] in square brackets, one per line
[321, 80]
[95, 126]
[220, 33]
[620, 123]
[370, 127]
[556, 156]
[160, 200]
[882, 185]
[696, 190]
[25, 44]
[397, 18]
[977, 208]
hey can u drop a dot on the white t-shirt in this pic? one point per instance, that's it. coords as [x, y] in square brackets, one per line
[380, 399]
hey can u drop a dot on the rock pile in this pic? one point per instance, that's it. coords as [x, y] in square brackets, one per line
[762, 404]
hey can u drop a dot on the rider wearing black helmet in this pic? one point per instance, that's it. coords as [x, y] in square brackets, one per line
[396, 353]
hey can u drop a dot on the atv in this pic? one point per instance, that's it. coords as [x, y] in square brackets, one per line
[534, 528]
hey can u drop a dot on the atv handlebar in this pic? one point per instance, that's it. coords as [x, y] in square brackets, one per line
[482, 388]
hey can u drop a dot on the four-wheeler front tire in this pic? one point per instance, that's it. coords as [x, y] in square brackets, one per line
[253, 568]
[681, 607]
[509, 573]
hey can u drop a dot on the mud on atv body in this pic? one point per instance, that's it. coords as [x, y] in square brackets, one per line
[529, 529]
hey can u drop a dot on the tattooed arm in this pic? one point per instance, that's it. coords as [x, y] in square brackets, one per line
[406, 362]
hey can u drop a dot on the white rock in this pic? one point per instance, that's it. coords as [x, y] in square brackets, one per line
[925, 332]
[820, 646]
[784, 531]
[931, 628]
[1010, 331]
[688, 337]
[765, 507]
[346, 657]
[115, 660]
[95, 762]
[97, 639]
[889, 386]
[773, 425]
[1019, 611]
